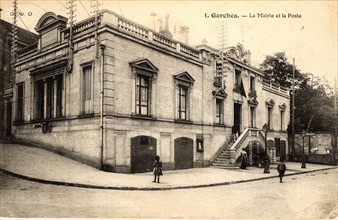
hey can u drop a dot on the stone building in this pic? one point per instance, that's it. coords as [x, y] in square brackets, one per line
[7, 78]
[113, 94]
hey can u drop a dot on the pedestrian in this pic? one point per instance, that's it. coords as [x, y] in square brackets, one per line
[243, 159]
[234, 133]
[281, 167]
[157, 169]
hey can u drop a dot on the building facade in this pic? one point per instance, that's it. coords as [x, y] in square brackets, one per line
[113, 94]
[7, 77]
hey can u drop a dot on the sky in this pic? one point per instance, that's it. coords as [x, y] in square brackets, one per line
[307, 33]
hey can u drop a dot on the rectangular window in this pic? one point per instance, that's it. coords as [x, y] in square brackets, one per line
[59, 88]
[20, 106]
[281, 120]
[142, 95]
[48, 97]
[182, 102]
[237, 78]
[219, 111]
[270, 118]
[252, 117]
[39, 97]
[252, 83]
[87, 90]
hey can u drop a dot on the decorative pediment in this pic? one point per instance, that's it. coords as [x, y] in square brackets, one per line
[270, 103]
[50, 20]
[219, 93]
[282, 106]
[253, 101]
[184, 77]
[144, 64]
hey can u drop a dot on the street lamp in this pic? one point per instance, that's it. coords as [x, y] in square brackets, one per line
[267, 161]
[303, 159]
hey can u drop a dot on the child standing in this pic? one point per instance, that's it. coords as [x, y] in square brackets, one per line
[281, 170]
[157, 169]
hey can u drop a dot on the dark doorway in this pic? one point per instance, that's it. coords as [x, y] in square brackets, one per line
[143, 152]
[237, 118]
[283, 150]
[277, 145]
[8, 128]
[184, 153]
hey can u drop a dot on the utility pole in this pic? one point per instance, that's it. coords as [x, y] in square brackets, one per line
[222, 34]
[94, 4]
[14, 36]
[71, 16]
[336, 123]
[293, 109]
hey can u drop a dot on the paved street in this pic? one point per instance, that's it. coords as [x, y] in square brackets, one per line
[305, 196]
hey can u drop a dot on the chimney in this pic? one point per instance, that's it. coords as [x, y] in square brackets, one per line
[247, 57]
[166, 31]
[184, 34]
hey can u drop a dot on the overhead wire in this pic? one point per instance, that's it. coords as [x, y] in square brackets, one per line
[60, 3]
[84, 8]
[33, 37]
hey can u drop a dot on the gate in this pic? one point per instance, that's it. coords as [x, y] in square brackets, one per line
[184, 153]
[143, 152]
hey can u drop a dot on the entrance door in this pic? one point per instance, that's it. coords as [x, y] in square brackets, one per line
[277, 145]
[8, 128]
[282, 150]
[237, 117]
[184, 153]
[143, 152]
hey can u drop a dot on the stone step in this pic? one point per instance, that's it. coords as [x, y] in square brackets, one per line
[222, 161]
[225, 154]
[223, 158]
[223, 165]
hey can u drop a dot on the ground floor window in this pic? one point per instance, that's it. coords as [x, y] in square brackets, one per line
[20, 102]
[48, 97]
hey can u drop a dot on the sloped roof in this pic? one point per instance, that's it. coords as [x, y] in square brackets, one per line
[24, 36]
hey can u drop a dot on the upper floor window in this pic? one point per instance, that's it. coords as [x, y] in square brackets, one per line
[252, 83]
[219, 111]
[282, 108]
[20, 102]
[252, 117]
[183, 82]
[144, 73]
[87, 88]
[270, 103]
[219, 95]
[270, 117]
[237, 78]
[142, 95]
[182, 102]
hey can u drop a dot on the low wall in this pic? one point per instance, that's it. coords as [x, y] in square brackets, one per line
[326, 159]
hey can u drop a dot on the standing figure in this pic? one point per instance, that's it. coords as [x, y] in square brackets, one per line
[157, 169]
[281, 170]
[244, 159]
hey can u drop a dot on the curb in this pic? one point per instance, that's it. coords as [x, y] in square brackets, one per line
[80, 185]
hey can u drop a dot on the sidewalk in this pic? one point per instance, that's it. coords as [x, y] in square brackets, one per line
[43, 166]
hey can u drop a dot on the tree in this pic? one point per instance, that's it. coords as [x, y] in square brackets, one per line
[277, 69]
[314, 100]
[314, 105]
